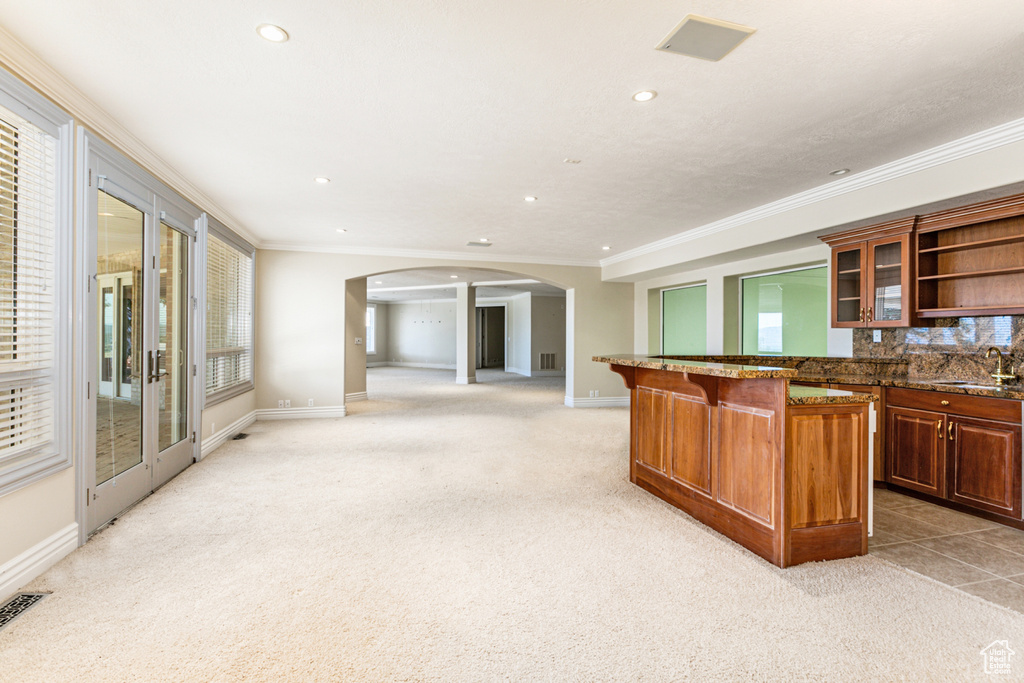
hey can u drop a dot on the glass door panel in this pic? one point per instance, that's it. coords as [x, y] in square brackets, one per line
[849, 286]
[887, 278]
[172, 338]
[119, 401]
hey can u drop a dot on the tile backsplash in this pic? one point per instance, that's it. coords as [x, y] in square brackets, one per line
[953, 349]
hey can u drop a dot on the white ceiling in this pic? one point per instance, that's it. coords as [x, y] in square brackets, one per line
[437, 283]
[435, 119]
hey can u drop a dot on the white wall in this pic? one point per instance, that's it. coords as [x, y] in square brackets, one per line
[520, 322]
[422, 334]
[547, 333]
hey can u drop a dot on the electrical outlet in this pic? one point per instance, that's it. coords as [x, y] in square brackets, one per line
[280, 404]
[213, 427]
[310, 403]
[876, 336]
[359, 341]
[597, 393]
[287, 403]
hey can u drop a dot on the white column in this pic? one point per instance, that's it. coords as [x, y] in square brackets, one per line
[465, 334]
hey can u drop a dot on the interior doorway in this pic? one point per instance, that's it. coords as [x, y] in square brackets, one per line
[490, 337]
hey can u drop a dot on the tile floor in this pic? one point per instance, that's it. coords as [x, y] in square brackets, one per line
[969, 553]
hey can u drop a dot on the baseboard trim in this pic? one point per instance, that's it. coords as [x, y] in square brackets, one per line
[300, 413]
[465, 380]
[429, 366]
[358, 396]
[604, 402]
[27, 566]
[218, 439]
[547, 373]
[377, 364]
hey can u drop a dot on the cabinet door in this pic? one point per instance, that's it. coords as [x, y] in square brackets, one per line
[916, 449]
[888, 282]
[985, 465]
[848, 267]
[878, 439]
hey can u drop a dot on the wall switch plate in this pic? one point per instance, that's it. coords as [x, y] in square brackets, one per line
[359, 341]
[310, 403]
[876, 336]
[287, 403]
[280, 404]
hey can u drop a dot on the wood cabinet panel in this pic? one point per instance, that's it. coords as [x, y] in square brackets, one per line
[690, 443]
[915, 449]
[650, 428]
[878, 439]
[746, 466]
[1001, 409]
[825, 487]
[985, 465]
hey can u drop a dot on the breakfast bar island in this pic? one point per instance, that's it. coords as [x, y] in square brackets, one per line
[780, 469]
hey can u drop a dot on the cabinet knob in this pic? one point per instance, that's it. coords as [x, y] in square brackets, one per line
[945, 403]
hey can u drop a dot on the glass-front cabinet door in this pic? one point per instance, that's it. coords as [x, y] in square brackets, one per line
[889, 282]
[848, 264]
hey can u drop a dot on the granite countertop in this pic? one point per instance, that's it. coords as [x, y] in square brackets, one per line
[1011, 391]
[699, 367]
[804, 396]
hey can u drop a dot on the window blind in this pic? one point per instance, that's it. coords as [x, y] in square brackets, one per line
[229, 282]
[28, 222]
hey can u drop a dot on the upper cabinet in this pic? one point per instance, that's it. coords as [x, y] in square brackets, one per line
[872, 275]
[971, 260]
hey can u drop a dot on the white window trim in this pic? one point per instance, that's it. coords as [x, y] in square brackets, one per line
[40, 112]
[221, 232]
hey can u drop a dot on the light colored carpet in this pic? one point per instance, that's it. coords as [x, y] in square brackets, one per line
[466, 533]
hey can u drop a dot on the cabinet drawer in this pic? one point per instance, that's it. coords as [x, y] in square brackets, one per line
[1002, 409]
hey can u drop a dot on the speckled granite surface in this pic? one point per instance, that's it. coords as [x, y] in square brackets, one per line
[716, 369]
[802, 396]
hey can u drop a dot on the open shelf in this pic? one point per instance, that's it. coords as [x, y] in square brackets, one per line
[881, 266]
[976, 244]
[849, 298]
[972, 273]
[850, 272]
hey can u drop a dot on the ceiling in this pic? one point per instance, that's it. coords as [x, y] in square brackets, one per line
[434, 119]
[423, 284]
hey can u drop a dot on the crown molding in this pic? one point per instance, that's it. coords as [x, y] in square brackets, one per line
[992, 138]
[23, 63]
[426, 254]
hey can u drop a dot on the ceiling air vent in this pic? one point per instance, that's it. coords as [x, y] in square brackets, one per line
[705, 38]
[478, 244]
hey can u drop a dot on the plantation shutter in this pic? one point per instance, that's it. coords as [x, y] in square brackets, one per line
[28, 301]
[229, 329]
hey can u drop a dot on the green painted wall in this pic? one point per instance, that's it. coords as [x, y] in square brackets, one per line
[685, 321]
[786, 314]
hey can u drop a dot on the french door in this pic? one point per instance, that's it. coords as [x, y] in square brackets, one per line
[142, 366]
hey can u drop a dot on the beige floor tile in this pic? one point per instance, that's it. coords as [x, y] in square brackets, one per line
[895, 523]
[890, 500]
[978, 554]
[1004, 537]
[999, 591]
[924, 561]
[950, 521]
[880, 538]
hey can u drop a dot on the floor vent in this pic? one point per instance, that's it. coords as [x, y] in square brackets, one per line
[239, 436]
[547, 361]
[17, 606]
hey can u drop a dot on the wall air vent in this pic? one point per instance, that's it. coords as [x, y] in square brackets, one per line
[705, 38]
[478, 244]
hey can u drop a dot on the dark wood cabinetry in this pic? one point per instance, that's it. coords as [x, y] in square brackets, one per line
[872, 276]
[949, 446]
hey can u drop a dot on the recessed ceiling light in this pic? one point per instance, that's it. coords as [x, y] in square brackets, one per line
[571, 161]
[530, 199]
[605, 248]
[322, 180]
[455, 277]
[342, 230]
[645, 96]
[484, 239]
[274, 34]
[839, 171]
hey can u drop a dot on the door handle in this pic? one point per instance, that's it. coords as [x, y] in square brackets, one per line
[862, 314]
[871, 313]
[949, 430]
[153, 362]
[938, 428]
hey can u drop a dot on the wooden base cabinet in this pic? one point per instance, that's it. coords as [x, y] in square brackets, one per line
[954, 453]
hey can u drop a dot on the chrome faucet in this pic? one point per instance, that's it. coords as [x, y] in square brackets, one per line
[999, 376]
